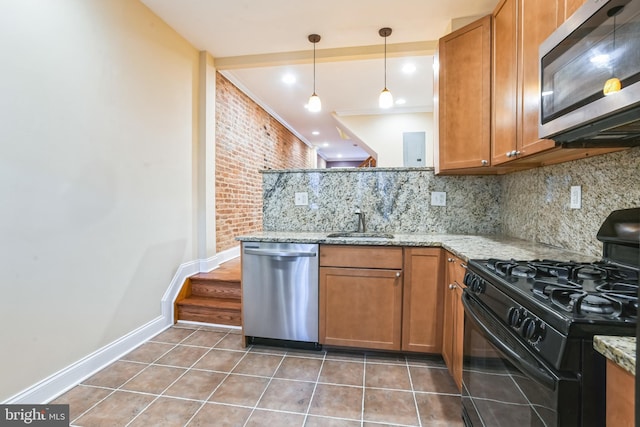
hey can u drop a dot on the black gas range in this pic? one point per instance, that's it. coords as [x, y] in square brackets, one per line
[533, 322]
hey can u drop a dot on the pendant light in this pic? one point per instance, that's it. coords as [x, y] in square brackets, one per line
[314, 105]
[386, 99]
[613, 85]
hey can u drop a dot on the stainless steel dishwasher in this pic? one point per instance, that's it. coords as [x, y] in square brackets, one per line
[280, 291]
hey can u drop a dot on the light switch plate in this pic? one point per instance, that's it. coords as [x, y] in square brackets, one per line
[438, 198]
[576, 197]
[301, 199]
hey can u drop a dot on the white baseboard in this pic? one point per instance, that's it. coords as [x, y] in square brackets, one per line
[209, 264]
[201, 266]
[63, 380]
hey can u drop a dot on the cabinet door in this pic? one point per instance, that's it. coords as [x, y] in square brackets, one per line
[505, 76]
[463, 87]
[448, 317]
[458, 336]
[360, 307]
[538, 19]
[453, 329]
[422, 300]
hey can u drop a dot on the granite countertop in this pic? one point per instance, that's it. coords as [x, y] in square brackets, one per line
[621, 350]
[464, 246]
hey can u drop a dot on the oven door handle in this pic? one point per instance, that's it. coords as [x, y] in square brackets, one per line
[535, 372]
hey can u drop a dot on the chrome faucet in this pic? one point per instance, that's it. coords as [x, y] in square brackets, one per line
[361, 226]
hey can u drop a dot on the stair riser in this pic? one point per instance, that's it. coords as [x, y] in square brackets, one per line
[209, 315]
[216, 290]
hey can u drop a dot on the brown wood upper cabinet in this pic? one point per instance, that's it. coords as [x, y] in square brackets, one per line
[519, 27]
[380, 297]
[462, 86]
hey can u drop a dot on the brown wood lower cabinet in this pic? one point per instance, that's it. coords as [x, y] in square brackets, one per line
[385, 298]
[620, 396]
[360, 307]
[422, 305]
[453, 322]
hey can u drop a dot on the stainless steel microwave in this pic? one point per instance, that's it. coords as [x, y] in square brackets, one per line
[598, 46]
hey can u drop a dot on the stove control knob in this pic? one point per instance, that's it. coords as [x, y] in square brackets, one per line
[468, 277]
[532, 329]
[477, 285]
[515, 316]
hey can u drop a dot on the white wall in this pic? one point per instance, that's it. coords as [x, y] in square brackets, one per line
[98, 128]
[383, 134]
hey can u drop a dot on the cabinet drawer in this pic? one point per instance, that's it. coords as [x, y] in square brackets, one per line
[361, 256]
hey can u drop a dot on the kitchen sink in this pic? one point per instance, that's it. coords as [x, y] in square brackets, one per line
[361, 235]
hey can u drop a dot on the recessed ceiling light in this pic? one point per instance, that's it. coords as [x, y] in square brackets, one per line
[401, 101]
[409, 68]
[326, 144]
[339, 156]
[315, 132]
[289, 79]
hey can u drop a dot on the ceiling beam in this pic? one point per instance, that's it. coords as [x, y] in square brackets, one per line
[326, 55]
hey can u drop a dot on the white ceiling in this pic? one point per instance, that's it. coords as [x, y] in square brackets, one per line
[256, 42]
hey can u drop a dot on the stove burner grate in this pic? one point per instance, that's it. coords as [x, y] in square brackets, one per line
[615, 300]
[580, 302]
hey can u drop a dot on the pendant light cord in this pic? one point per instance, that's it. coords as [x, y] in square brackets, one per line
[613, 59]
[385, 62]
[314, 68]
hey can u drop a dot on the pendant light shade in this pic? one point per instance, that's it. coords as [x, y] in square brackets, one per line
[386, 99]
[613, 85]
[314, 105]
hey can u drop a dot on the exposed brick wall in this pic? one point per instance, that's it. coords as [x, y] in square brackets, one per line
[247, 139]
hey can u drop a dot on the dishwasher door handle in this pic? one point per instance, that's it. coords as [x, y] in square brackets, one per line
[271, 252]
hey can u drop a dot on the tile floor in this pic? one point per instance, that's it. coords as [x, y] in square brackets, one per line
[192, 375]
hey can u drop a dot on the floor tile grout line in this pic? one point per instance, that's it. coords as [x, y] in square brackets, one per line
[93, 406]
[246, 351]
[364, 386]
[264, 391]
[313, 392]
[174, 381]
[119, 388]
[413, 394]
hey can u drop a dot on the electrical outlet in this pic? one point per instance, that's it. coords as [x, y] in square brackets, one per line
[438, 198]
[576, 197]
[301, 199]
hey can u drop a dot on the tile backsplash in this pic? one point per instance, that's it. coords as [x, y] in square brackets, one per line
[536, 202]
[396, 200]
[532, 205]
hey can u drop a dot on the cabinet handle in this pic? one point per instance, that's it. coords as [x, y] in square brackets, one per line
[452, 286]
[484, 162]
[509, 153]
[449, 259]
[463, 265]
[398, 274]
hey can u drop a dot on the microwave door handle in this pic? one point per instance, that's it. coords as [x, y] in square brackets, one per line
[533, 371]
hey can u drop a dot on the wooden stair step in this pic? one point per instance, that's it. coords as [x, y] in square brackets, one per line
[216, 289]
[210, 310]
[220, 303]
[208, 278]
